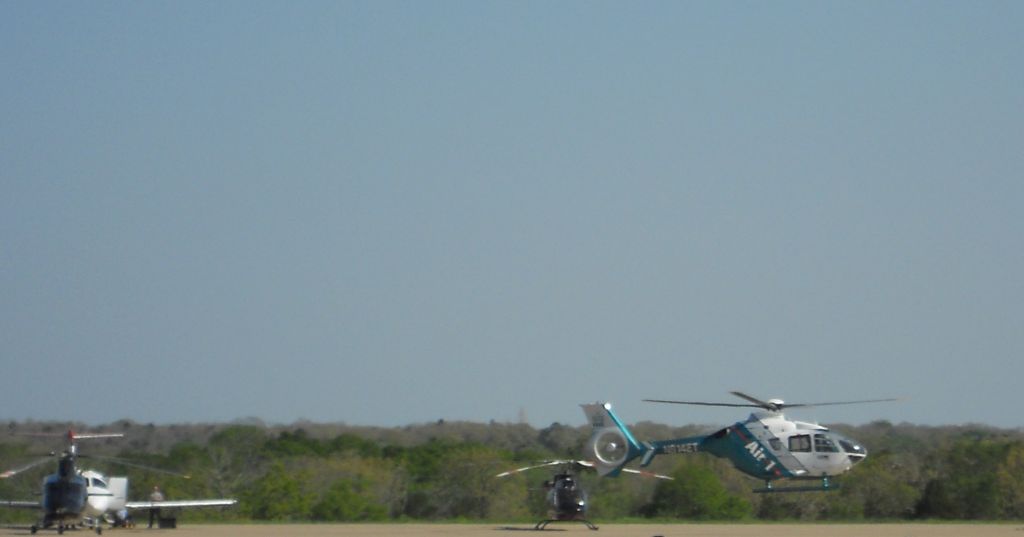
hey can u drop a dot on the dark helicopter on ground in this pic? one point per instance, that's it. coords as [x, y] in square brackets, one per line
[766, 446]
[67, 500]
[565, 498]
[73, 497]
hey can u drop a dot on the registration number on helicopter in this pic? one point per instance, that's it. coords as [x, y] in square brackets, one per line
[689, 447]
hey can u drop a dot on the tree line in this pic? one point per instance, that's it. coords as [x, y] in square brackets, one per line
[446, 471]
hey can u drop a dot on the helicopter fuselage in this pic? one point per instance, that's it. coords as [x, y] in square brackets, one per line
[769, 446]
[819, 451]
[71, 497]
[766, 446]
[566, 499]
[64, 498]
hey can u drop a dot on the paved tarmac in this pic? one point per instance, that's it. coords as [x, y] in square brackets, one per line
[579, 530]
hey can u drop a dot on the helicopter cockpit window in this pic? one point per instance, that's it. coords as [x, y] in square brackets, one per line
[775, 443]
[824, 444]
[855, 451]
[98, 483]
[800, 443]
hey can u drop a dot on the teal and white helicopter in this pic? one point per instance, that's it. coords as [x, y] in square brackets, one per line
[766, 446]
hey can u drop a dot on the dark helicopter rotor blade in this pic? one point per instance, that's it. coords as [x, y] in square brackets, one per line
[763, 404]
[774, 405]
[525, 468]
[779, 405]
[832, 403]
[131, 464]
[700, 403]
[29, 466]
[545, 464]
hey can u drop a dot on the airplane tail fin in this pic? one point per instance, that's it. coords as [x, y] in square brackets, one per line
[611, 444]
[118, 487]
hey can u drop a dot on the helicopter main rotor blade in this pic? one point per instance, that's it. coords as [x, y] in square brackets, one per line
[831, 403]
[648, 474]
[525, 468]
[585, 464]
[773, 405]
[768, 405]
[72, 435]
[88, 436]
[776, 405]
[29, 466]
[131, 464]
[701, 403]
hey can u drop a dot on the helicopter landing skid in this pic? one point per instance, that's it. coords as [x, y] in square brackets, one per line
[543, 523]
[825, 485]
[776, 490]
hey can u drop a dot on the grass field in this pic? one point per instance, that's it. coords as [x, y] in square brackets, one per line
[623, 530]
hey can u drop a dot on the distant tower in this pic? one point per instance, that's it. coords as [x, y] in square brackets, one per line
[522, 416]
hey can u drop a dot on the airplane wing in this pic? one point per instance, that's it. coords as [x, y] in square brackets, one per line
[19, 504]
[223, 502]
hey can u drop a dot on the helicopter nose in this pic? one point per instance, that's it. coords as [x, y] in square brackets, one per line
[854, 451]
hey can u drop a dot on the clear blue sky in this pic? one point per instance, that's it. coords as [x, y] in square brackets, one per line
[394, 212]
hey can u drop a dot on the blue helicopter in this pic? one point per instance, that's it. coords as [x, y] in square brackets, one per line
[766, 446]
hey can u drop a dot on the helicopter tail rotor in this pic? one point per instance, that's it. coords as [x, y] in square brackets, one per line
[611, 445]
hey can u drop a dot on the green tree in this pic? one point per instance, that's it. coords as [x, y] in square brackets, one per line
[562, 440]
[349, 442]
[236, 458]
[420, 467]
[623, 496]
[696, 493]
[1010, 482]
[346, 501]
[881, 487]
[294, 444]
[967, 487]
[278, 495]
[466, 485]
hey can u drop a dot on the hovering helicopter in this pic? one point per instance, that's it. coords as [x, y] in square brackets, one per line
[74, 497]
[567, 501]
[766, 446]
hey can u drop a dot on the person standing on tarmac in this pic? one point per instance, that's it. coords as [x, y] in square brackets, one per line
[154, 512]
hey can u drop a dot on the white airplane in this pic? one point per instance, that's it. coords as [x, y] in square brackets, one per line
[73, 497]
